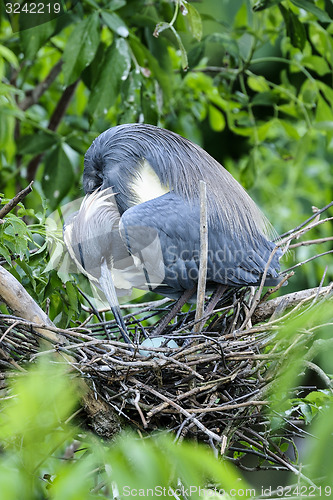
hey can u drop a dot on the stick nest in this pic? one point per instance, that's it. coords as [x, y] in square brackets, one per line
[212, 387]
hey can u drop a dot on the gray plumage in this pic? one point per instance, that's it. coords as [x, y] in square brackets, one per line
[154, 244]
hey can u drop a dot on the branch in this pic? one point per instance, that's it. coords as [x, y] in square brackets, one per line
[33, 96]
[265, 309]
[316, 213]
[62, 106]
[23, 305]
[55, 120]
[203, 259]
[12, 203]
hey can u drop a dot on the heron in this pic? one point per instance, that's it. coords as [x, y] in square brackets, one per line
[139, 223]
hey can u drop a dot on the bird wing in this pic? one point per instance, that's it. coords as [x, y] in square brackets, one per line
[171, 225]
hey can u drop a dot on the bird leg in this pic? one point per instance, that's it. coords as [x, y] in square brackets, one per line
[216, 295]
[107, 286]
[172, 313]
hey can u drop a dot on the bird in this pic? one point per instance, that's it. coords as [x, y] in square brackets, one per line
[139, 223]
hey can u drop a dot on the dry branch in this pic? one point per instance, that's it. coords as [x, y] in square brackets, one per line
[23, 306]
[203, 258]
[266, 309]
[15, 201]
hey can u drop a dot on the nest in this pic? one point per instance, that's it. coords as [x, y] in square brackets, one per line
[213, 387]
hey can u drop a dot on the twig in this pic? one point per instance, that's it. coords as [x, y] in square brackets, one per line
[256, 299]
[327, 381]
[277, 287]
[318, 212]
[269, 454]
[265, 310]
[55, 120]
[306, 261]
[18, 299]
[317, 241]
[209, 433]
[228, 407]
[15, 201]
[203, 259]
[33, 96]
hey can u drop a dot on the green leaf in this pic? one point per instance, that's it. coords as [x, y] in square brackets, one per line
[81, 48]
[116, 4]
[5, 253]
[290, 130]
[263, 99]
[313, 9]
[248, 172]
[306, 412]
[195, 23]
[319, 452]
[72, 296]
[58, 175]
[183, 53]
[160, 27]
[29, 272]
[317, 64]
[116, 66]
[32, 39]
[326, 126]
[216, 118]
[323, 111]
[264, 129]
[224, 40]
[36, 143]
[295, 29]
[115, 23]
[265, 4]
[9, 55]
[258, 83]
[241, 18]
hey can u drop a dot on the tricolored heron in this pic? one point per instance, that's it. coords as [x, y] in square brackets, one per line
[139, 223]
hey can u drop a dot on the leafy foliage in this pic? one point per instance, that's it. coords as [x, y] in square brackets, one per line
[251, 81]
[45, 456]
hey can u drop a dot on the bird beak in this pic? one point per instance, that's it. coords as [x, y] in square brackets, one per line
[107, 286]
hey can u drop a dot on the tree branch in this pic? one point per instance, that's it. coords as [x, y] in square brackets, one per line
[265, 309]
[23, 305]
[12, 203]
[55, 120]
[33, 96]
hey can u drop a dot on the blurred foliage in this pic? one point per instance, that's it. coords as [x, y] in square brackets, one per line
[251, 82]
[45, 456]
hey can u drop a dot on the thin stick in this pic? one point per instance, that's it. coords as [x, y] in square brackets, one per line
[12, 203]
[318, 212]
[203, 259]
[228, 407]
[311, 242]
[306, 261]
[179, 408]
[33, 96]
